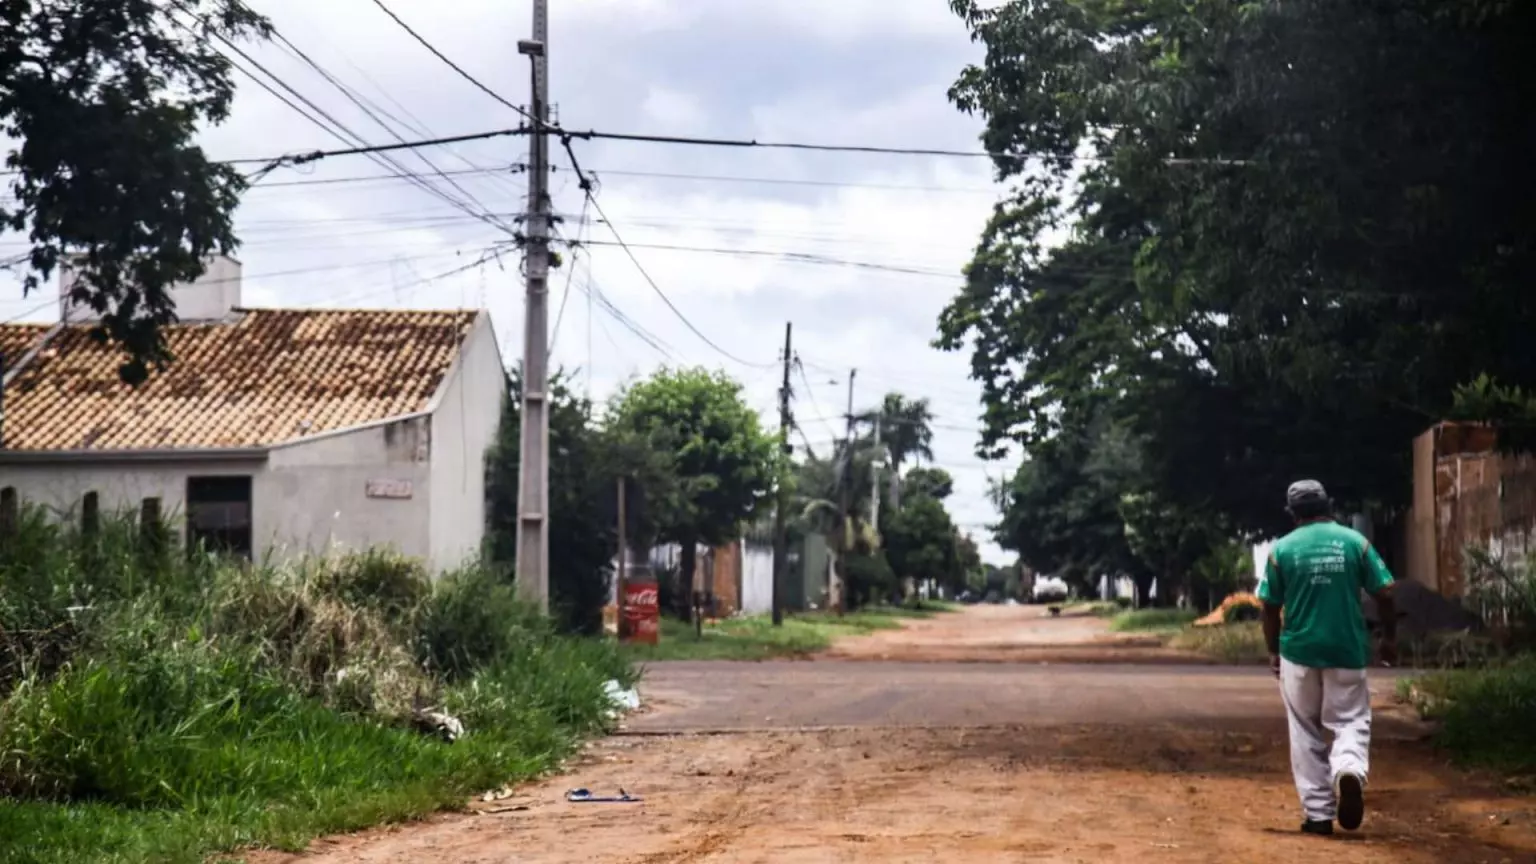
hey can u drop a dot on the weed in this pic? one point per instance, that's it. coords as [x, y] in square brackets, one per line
[1146, 620]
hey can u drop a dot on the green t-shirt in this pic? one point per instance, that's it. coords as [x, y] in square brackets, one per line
[1316, 573]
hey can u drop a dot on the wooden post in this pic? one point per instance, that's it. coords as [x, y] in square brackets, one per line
[618, 584]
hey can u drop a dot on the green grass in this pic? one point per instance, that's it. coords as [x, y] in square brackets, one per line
[1485, 715]
[156, 706]
[1151, 620]
[755, 638]
[1237, 643]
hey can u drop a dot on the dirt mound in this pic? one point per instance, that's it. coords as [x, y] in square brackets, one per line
[1421, 611]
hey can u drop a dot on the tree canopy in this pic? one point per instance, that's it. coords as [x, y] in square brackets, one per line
[104, 99]
[724, 464]
[1247, 270]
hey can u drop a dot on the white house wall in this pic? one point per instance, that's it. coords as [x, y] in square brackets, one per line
[464, 426]
[121, 486]
[756, 578]
[314, 496]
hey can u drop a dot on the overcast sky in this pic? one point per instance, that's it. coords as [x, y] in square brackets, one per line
[867, 72]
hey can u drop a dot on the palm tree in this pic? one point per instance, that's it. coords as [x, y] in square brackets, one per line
[905, 433]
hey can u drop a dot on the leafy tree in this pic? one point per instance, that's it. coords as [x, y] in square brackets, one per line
[1267, 275]
[725, 464]
[934, 483]
[103, 99]
[921, 542]
[585, 462]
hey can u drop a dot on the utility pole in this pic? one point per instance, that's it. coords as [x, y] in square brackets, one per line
[533, 468]
[874, 473]
[618, 582]
[780, 521]
[845, 480]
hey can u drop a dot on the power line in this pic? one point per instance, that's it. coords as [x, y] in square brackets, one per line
[305, 157]
[452, 65]
[373, 112]
[791, 257]
[587, 189]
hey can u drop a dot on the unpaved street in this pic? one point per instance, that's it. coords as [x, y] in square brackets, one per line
[845, 761]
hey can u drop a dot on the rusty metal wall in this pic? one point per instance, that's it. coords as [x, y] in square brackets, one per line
[1481, 498]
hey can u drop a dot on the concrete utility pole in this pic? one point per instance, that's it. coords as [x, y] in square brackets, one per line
[533, 468]
[874, 473]
[780, 521]
[623, 573]
[845, 480]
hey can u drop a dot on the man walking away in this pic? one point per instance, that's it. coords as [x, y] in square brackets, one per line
[1315, 575]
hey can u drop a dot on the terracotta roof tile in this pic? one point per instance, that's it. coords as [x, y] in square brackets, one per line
[256, 381]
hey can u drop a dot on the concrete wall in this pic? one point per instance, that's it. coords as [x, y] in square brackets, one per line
[211, 297]
[305, 498]
[464, 426]
[314, 495]
[120, 485]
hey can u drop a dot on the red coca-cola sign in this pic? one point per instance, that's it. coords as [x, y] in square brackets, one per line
[640, 618]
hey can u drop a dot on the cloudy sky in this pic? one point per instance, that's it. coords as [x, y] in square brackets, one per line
[344, 232]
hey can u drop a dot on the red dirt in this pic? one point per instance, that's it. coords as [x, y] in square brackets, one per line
[936, 763]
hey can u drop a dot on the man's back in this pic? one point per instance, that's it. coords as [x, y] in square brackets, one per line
[1316, 573]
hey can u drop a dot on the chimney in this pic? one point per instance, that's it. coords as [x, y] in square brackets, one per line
[212, 297]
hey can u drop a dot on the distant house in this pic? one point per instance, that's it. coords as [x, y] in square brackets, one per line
[273, 433]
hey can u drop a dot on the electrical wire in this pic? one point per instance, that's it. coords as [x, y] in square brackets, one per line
[565, 296]
[451, 65]
[373, 112]
[587, 188]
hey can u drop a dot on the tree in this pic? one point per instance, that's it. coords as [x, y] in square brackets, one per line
[934, 483]
[725, 464]
[1302, 286]
[921, 542]
[906, 433]
[585, 463]
[104, 98]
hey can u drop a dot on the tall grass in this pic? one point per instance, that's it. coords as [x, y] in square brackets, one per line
[1147, 620]
[161, 706]
[1485, 715]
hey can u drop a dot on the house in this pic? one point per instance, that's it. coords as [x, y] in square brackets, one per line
[274, 432]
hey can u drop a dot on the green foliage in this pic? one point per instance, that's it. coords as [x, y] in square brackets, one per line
[906, 432]
[869, 579]
[194, 706]
[724, 465]
[935, 483]
[1145, 620]
[921, 543]
[756, 638]
[1298, 291]
[103, 99]
[1236, 643]
[585, 463]
[1485, 714]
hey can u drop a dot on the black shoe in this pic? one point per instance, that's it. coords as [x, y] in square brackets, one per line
[1350, 790]
[1322, 827]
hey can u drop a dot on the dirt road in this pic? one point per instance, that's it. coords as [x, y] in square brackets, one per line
[1011, 634]
[845, 761]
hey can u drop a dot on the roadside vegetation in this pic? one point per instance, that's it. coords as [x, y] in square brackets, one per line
[162, 706]
[755, 638]
[1483, 697]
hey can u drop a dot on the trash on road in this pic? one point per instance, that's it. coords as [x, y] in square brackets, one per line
[585, 796]
[623, 699]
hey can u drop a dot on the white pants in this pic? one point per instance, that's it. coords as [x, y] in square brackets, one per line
[1336, 700]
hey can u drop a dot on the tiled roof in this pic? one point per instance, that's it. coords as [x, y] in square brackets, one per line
[267, 377]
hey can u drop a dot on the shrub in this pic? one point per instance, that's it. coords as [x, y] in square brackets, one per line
[1486, 714]
[471, 619]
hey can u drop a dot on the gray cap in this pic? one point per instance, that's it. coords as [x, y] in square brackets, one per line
[1305, 492]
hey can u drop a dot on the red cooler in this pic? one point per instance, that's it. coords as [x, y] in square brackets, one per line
[641, 616]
